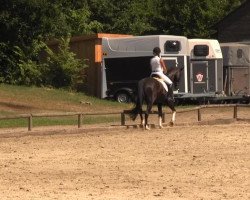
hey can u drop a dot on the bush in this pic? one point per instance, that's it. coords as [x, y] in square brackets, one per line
[23, 66]
[20, 66]
[62, 68]
[8, 62]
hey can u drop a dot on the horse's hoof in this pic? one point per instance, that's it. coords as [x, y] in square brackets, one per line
[147, 127]
[160, 126]
[171, 124]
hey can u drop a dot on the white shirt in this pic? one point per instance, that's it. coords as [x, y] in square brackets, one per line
[155, 64]
[157, 69]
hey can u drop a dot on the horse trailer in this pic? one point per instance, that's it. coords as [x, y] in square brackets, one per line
[127, 60]
[205, 70]
[236, 68]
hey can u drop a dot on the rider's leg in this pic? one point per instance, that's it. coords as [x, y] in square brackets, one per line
[170, 87]
[169, 84]
[167, 80]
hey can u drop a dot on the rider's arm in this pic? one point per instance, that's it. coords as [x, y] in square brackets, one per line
[163, 66]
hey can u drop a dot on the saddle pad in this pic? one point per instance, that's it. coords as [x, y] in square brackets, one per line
[162, 82]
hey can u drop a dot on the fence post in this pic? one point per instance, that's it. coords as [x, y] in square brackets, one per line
[79, 120]
[199, 114]
[235, 112]
[122, 118]
[30, 124]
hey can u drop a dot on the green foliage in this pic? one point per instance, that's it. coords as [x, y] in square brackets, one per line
[28, 64]
[80, 23]
[136, 18]
[25, 24]
[126, 17]
[192, 18]
[19, 67]
[62, 68]
[7, 61]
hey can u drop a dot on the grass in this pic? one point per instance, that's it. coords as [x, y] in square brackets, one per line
[21, 98]
[52, 121]
[12, 123]
[15, 100]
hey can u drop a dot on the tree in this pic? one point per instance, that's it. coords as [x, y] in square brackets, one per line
[125, 17]
[25, 24]
[192, 18]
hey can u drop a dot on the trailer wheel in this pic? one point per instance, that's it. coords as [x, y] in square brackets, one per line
[123, 97]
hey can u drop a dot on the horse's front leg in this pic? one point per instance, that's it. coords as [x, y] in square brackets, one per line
[160, 115]
[171, 123]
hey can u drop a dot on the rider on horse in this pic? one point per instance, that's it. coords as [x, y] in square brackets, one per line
[158, 68]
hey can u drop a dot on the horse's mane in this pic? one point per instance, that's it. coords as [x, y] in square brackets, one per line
[171, 72]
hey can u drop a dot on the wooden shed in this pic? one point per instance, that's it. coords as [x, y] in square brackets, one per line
[89, 49]
[235, 26]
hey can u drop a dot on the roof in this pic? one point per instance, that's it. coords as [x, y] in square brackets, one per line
[235, 54]
[144, 43]
[91, 37]
[234, 44]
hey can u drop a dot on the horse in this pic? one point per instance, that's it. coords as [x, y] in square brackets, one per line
[152, 92]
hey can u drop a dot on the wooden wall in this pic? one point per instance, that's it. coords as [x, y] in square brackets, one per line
[89, 49]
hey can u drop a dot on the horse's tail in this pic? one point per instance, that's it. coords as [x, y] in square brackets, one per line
[138, 105]
[135, 111]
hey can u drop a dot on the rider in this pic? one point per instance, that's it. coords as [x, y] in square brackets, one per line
[158, 68]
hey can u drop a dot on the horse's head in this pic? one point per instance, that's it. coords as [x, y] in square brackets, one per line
[174, 74]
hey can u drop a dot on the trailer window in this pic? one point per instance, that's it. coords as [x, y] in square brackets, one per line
[239, 53]
[172, 46]
[201, 50]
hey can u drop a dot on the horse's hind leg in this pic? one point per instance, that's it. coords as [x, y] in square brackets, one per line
[142, 119]
[148, 110]
[160, 115]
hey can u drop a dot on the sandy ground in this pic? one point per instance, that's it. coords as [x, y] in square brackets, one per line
[203, 161]
[183, 162]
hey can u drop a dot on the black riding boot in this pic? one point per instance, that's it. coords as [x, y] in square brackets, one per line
[170, 93]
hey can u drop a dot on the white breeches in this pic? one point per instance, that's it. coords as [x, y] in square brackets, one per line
[164, 77]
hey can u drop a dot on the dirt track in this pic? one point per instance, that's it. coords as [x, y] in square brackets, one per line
[183, 162]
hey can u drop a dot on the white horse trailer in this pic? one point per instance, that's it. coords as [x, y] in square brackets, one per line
[205, 70]
[127, 60]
